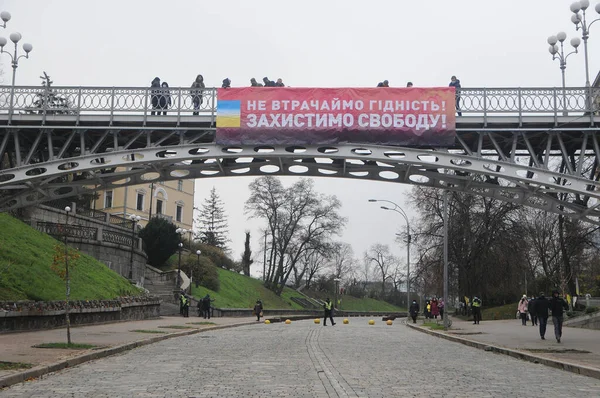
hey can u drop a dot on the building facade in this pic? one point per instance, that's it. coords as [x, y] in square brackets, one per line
[173, 200]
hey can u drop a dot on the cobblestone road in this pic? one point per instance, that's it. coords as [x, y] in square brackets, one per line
[307, 360]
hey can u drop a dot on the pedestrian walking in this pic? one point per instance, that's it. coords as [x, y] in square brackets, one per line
[328, 306]
[155, 90]
[164, 100]
[522, 307]
[531, 310]
[557, 306]
[476, 307]
[441, 305]
[258, 309]
[196, 91]
[186, 305]
[542, 305]
[414, 310]
[454, 82]
[435, 310]
[206, 300]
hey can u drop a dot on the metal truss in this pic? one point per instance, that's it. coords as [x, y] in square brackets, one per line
[515, 145]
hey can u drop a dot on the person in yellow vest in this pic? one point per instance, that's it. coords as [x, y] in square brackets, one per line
[328, 306]
[476, 310]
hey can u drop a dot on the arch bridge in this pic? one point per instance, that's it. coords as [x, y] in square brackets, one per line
[537, 147]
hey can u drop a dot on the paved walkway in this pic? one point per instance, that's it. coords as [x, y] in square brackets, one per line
[578, 346]
[307, 360]
[18, 347]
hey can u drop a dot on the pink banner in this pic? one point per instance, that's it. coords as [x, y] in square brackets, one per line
[385, 116]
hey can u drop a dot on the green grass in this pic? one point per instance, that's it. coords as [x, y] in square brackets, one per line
[147, 331]
[201, 323]
[25, 274]
[507, 311]
[72, 346]
[350, 303]
[14, 365]
[433, 326]
[176, 327]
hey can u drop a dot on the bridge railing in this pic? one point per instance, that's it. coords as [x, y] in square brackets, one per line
[37, 100]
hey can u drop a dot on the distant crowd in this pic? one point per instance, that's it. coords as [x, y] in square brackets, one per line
[161, 94]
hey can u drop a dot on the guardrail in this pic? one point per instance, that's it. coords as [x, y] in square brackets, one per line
[32, 100]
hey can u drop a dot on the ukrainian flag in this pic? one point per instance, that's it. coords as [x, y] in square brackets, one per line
[229, 113]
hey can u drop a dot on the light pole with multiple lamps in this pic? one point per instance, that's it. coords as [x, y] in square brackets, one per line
[580, 21]
[134, 220]
[181, 232]
[559, 53]
[67, 278]
[400, 211]
[15, 37]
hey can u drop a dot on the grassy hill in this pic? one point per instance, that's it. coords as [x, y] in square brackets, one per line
[239, 291]
[25, 274]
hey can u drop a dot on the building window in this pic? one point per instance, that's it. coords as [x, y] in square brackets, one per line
[180, 185]
[159, 206]
[108, 199]
[179, 214]
[140, 201]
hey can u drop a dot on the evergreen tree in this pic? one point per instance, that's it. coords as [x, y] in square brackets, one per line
[212, 220]
[247, 256]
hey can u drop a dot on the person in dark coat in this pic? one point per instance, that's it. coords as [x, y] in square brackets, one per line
[531, 310]
[254, 83]
[279, 83]
[557, 305]
[206, 306]
[164, 100]
[454, 82]
[414, 310]
[226, 83]
[155, 95]
[541, 307]
[268, 83]
[328, 307]
[196, 91]
[258, 308]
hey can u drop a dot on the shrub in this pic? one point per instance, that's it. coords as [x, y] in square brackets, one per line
[590, 310]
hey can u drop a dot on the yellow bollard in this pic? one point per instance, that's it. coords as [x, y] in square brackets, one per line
[267, 322]
[287, 321]
[371, 322]
[317, 321]
[389, 322]
[346, 321]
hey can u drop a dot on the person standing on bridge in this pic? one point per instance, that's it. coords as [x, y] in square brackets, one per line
[541, 308]
[384, 83]
[254, 83]
[268, 83]
[279, 83]
[164, 100]
[155, 95]
[196, 92]
[454, 82]
[328, 306]
[226, 83]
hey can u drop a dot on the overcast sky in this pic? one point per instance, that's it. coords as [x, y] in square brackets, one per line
[309, 43]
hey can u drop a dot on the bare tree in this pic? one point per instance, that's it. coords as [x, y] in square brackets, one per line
[379, 255]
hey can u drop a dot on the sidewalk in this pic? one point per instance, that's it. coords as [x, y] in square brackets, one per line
[578, 347]
[111, 337]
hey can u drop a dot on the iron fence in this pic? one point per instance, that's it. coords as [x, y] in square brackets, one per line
[32, 100]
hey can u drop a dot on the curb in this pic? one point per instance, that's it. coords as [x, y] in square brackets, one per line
[566, 366]
[36, 372]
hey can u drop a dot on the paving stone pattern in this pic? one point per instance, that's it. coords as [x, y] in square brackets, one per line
[308, 360]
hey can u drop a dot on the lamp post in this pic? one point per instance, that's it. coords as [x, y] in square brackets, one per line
[559, 53]
[198, 253]
[446, 216]
[180, 232]
[5, 16]
[15, 37]
[580, 21]
[134, 220]
[400, 211]
[67, 279]
[337, 289]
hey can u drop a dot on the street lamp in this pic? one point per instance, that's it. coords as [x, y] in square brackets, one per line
[15, 37]
[5, 16]
[198, 252]
[180, 232]
[559, 53]
[134, 220]
[579, 19]
[337, 289]
[400, 211]
[67, 279]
